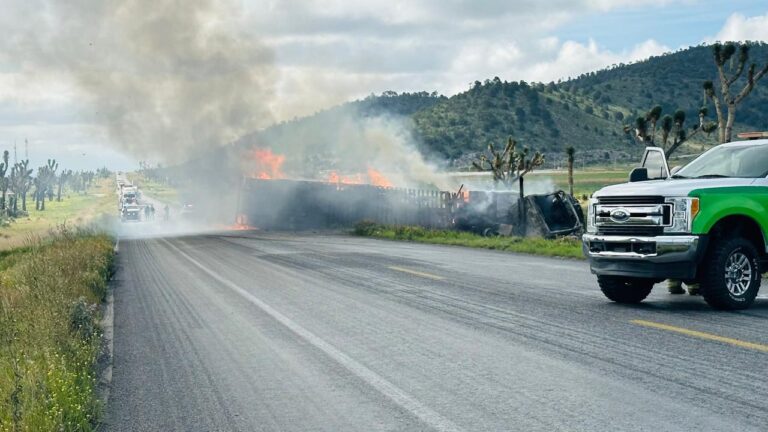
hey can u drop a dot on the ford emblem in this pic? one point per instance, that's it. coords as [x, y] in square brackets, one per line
[620, 215]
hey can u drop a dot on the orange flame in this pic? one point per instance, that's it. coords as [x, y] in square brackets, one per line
[268, 164]
[373, 177]
[377, 179]
[241, 224]
[351, 179]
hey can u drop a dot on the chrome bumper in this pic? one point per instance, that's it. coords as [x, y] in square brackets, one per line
[659, 249]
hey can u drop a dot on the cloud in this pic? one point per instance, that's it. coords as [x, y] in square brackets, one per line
[574, 58]
[740, 28]
[335, 51]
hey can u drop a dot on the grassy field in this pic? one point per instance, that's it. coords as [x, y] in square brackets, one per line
[585, 180]
[566, 247]
[49, 337]
[158, 191]
[74, 209]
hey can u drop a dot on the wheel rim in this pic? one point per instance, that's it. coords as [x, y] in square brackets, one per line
[738, 273]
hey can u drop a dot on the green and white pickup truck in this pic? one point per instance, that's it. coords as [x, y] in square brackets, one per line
[706, 223]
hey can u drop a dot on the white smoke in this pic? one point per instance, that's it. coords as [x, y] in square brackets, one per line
[167, 78]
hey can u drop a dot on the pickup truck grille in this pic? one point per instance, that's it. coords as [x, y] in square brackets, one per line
[632, 215]
[640, 231]
[630, 200]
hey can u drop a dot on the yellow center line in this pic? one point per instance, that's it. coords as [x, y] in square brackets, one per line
[703, 335]
[417, 273]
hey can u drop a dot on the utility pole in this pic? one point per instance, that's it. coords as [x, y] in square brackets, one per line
[26, 149]
[15, 158]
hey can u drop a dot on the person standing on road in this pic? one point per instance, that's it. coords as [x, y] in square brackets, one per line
[146, 212]
[152, 211]
[167, 212]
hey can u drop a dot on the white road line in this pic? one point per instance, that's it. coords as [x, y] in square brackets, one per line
[397, 395]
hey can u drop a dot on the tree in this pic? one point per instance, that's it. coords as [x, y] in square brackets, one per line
[63, 177]
[723, 54]
[51, 179]
[4, 181]
[672, 127]
[39, 183]
[509, 165]
[21, 181]
[570, 152]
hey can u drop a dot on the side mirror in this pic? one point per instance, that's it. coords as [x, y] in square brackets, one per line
[674, 170]
[638, 174]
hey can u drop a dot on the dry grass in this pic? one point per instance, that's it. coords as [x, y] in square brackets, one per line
[49, 339]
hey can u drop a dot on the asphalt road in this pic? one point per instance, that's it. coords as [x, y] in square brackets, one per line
[254, 331]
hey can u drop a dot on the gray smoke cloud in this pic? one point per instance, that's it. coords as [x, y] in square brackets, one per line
[166, 78]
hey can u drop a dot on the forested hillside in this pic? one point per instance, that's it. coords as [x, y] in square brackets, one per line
[588, 112]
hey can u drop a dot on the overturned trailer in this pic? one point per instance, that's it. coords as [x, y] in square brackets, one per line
[306, 204]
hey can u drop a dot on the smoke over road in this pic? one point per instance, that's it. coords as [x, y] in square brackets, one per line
[166, 78]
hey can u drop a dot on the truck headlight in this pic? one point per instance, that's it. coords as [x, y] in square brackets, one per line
[591, 227]
[684, 210]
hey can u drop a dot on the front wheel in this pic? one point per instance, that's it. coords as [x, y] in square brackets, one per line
[623, 289]
[731, 274]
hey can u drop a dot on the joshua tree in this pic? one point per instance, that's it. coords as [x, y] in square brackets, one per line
[21, 181]
[44, 183]
[509, 165]
[4, 180]
[570, 152]
[87, 180]
[723, 54]
[51, 179]
[672, 133]
[63, 177]
[39, 183]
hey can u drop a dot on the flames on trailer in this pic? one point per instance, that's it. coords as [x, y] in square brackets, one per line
[267, 165]
[371, 177]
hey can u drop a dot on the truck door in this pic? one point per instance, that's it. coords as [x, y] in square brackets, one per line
[655, 162]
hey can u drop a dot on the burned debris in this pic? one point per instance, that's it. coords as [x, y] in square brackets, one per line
[308, 204]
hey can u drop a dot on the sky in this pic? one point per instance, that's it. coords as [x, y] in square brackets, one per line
[296, 57]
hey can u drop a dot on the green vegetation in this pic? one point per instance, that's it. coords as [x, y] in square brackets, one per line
[563, 247]
[585, 180]
[49, 337]
[75, 209]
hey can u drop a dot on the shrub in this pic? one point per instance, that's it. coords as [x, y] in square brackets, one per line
[82, 319]
[48, 329]
[366, 228]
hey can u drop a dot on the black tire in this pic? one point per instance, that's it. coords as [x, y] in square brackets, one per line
[623, 289]
[730, 274]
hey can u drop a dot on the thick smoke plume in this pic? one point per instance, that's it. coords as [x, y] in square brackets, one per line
[166, 78]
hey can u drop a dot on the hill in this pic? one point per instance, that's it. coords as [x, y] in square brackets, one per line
[588, 112]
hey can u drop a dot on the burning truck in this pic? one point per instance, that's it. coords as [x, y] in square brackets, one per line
[269, 200]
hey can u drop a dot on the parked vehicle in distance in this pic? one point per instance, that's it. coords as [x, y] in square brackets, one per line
[131, 213]
[706, 223]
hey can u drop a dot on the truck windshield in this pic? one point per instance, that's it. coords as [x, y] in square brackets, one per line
[748, 161]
